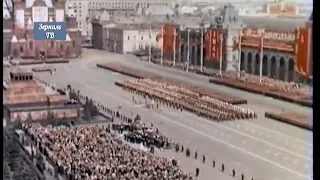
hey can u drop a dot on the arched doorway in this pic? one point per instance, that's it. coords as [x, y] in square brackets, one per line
[291, 70]
[257, 65]
[181, 52]
[249, 65]
[273, 67]
[193, 56]
[265, 65]
[198, 55]
[282, 69]
[242, 61]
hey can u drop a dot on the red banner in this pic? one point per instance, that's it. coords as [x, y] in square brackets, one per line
[302, 52]
[168, 39]
[207, 44]
[212, 44]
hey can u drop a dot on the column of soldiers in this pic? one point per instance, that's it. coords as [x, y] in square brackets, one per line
[181, 98]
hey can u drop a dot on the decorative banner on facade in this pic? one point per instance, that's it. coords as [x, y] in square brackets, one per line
[207, 44]
[219, 45]
[168, 39]
[214, 44]
[280, 41]
[302, 52]
[49, 31]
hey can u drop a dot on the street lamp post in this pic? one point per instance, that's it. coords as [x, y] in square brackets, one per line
[221, 51]
[261, 54]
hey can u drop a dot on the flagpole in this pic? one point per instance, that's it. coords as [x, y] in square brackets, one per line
[221, 43]
[201, 51]
[188, 53]
[162, 34]
[239, 53]
[261, 55]
[174, 46]
[150, 44]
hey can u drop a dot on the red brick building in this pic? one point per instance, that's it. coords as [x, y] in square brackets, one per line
[18, 26]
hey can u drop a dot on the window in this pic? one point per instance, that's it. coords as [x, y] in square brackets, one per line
[141, 37]
[128, 37]
[31, 45]
[74, 43]
[21, 49]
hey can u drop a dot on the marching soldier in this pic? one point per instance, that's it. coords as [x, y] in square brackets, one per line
[233, 173]
[188, 152]
[177, 148]
[203, 158]
[222, 167]
[182, 148]
[213, 163]
[197, 172]
[196, 155]
[242, 176]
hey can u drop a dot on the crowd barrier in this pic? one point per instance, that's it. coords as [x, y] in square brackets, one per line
[201, 90]
[295, 119]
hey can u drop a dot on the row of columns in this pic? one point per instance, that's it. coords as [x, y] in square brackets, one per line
[277, 67]
[195, 53]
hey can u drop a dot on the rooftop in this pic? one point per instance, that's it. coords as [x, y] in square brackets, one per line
[274, 24]
[278, 24]
[137, 26]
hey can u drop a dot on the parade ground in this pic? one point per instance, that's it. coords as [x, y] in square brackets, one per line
[260, 148]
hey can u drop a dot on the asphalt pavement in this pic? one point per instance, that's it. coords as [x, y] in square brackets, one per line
[261, 148]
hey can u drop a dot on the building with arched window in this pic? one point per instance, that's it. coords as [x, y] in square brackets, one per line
[283, 45]
[18, 39]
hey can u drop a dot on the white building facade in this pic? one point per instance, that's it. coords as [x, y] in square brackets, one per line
[130, 38]
[86, 10]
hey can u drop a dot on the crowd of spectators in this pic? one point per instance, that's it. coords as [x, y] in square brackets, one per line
[91, 153]
[182, 98]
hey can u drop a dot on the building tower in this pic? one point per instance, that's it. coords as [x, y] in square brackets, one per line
[231, 24]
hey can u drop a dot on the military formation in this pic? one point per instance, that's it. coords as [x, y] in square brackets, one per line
[183, 99]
